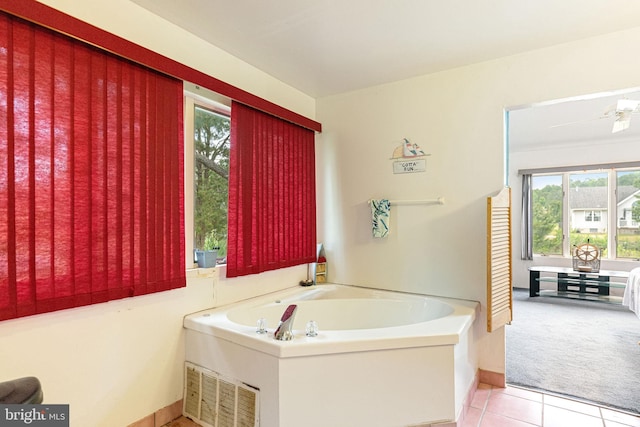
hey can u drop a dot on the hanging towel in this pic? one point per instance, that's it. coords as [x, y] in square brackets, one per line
[380, 209]
[631, 296]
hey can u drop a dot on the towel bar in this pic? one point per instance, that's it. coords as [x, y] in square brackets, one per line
[438, 201]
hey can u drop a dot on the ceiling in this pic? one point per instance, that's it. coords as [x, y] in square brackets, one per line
[326, 47]
[581, 122]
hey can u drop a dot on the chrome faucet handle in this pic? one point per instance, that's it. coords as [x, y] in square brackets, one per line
[283, 333]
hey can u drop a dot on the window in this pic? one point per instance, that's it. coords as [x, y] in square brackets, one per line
[547, 214]
[40, 277]
[602, 207]
[212, 135]
[592, 216]
[628, 222]
[271, 222]
[587, 204]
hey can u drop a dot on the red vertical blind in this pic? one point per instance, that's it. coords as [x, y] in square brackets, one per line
[91, 174]
[272, 198]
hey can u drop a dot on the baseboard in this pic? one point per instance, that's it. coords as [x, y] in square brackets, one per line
[495, 379]
[465, 406]
[161, 417]
[169, 413]
[482, 377]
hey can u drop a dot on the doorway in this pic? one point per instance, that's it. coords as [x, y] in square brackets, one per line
[554, 135]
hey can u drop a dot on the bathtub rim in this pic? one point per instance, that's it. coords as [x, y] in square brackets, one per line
[442, 331]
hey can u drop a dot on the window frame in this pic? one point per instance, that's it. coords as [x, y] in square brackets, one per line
[611, 211]
[191, 100]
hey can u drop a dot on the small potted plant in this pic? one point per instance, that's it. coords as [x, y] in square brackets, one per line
[208, 256]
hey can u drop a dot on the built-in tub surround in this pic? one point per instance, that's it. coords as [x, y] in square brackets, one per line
[380, 358]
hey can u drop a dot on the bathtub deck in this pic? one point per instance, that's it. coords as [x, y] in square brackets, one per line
[440, 331]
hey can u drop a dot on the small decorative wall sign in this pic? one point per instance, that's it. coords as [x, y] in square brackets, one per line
[409, 158]
[410, 166]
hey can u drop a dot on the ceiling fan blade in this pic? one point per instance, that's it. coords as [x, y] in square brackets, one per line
[622, 121]
[627, 105]
[611, 110]
[577, 122]
[621, 110]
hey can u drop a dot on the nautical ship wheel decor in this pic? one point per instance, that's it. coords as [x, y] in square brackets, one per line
[586, 257]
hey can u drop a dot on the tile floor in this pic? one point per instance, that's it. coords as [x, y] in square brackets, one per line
[517, 407]
[182, 422]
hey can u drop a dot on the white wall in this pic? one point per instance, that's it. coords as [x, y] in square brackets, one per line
[457, 117]
[118, 362]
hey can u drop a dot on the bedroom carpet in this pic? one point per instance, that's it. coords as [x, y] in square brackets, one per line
[580, 349]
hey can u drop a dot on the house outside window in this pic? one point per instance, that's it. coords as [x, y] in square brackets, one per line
[588, 202]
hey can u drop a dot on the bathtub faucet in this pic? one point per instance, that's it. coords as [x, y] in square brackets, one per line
[283, 333]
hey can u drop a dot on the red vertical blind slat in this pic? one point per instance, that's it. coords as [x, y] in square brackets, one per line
[91, 174]
[271, 193]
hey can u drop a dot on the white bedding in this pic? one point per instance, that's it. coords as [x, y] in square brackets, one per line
[631, 296]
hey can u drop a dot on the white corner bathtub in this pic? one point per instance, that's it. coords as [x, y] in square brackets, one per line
[380, 358]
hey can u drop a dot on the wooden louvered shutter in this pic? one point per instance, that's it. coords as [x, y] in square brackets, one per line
[499, 289]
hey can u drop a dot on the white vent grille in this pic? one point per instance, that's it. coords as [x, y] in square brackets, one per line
[215, 401]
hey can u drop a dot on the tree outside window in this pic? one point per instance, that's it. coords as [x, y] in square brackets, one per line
[547, 214]
[211, 146]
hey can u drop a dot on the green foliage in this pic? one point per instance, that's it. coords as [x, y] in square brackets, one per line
[215, 241]
[590, 182]
[211, 145]
[547, 220]
[628, 246]
[632, 179]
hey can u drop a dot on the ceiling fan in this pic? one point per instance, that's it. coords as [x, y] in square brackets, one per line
[621, 111]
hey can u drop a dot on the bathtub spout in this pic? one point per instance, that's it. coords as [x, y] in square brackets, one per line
[283, 333]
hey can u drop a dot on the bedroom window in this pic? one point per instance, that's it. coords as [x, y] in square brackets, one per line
[628, 217]
[588, 203]
[547, 214]
[599, 205]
